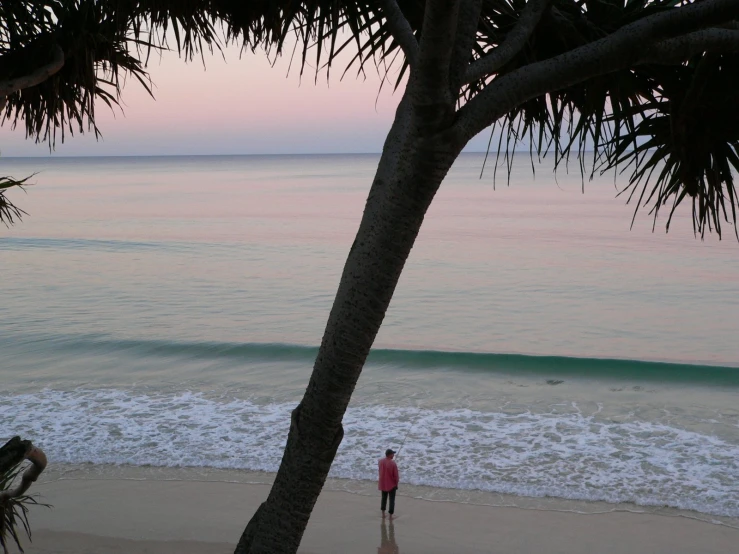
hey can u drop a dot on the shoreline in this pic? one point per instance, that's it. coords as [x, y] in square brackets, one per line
[123, 513]
[426, 493]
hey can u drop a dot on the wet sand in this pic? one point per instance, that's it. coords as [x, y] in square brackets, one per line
[166, 517]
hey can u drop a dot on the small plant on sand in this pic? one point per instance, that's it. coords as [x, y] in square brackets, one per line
[14, 503]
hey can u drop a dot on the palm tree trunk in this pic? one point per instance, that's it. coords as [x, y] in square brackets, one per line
[411, 168]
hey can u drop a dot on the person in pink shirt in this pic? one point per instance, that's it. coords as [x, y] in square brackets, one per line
[389, 480]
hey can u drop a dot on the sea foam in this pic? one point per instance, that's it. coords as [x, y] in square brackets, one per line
[570, 455]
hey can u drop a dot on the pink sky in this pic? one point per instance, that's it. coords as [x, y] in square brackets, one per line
[236, 106]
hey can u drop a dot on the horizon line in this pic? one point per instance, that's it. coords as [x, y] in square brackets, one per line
[34, 156]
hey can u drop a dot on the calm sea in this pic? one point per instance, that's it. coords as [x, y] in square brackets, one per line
[166, 312]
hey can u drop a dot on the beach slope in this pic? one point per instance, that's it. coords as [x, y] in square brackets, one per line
[167, 517]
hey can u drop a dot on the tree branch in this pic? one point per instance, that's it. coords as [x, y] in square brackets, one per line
[620, 50]
[436, 47]
[514, 41]
[396, 140]
[676, 50]
[469, 21]
[401, 30]
[34, 78]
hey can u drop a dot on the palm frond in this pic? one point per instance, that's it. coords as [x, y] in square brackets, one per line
[673, 129]
[14, 511]
[9, 212]
[689, 138]
[97, 56]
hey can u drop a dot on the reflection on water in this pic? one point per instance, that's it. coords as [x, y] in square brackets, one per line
[387, 539]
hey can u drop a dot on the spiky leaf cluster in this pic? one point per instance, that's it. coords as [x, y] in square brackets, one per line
[96, 44]
[9, 212]
[675, 127]
[14, 511]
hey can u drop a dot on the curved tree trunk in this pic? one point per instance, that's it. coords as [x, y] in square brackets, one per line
[414, 161]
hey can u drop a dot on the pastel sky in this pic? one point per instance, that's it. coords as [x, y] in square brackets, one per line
[240, 105]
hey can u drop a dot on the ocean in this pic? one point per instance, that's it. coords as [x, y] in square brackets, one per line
[163, 313]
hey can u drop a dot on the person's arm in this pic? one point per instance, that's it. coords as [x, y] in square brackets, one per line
[396, 475]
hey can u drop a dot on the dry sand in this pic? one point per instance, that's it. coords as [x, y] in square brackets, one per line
[183, 517]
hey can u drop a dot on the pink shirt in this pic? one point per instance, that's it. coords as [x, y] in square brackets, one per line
[389, 477]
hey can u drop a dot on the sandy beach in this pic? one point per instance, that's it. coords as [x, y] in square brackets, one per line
[100, 516]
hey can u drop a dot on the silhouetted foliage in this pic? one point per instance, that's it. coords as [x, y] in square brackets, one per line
[626, 118]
